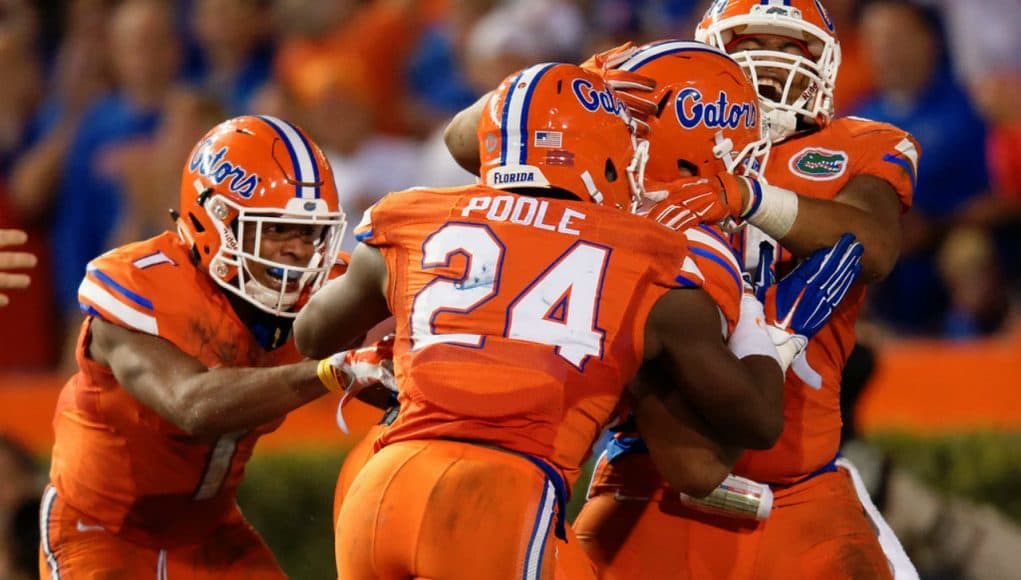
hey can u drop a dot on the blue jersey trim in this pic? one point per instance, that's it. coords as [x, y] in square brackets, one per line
[905, 164]
[111, 283]
[726, 265]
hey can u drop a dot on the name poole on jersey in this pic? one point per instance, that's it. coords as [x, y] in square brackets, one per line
[524, 211]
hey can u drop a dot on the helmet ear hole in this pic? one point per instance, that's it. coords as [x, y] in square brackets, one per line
[196, 223]
[661, 105]
[687, 167]
[610, 171]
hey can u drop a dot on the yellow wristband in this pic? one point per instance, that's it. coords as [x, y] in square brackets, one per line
[326, 376]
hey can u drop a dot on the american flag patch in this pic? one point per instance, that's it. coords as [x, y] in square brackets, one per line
[551, 139]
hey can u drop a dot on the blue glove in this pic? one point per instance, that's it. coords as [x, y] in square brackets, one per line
[803, 301]
[765, 273]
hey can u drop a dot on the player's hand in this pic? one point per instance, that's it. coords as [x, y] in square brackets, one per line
[631, 88]
[689, 201]
[365, 373]
[804, 300]
[352, 371]
[609, 59]
[13, 260]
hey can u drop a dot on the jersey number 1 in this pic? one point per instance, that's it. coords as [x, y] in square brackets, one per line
[559, 308]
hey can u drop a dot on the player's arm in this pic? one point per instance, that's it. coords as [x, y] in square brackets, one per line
[684, 447]
[867, 207]
[741, 399]
[202, 402]
[461, 138]
[346, 308]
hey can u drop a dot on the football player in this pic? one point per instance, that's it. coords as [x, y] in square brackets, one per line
[523, 306]
[826, 175]
[186, 358]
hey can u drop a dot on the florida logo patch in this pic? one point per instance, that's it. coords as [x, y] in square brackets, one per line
[819, 164]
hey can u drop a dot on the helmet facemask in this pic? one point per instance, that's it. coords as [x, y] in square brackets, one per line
[783, 102]
[232, 265]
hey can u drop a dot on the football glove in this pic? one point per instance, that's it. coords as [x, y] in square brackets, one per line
[627, 85]
[689, 201]
[801, 303]
[351, 372]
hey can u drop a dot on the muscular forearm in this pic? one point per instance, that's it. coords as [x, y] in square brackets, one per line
[867, 207]
[738, 391]
[821, 222]
[765, 406]
[225, 400]
[754, 419]
[346, 308]
[685, 449]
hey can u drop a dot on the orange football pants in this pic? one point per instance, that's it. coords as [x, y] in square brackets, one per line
[73, 545]
[817, 529]
[449, 510]
[355, 460]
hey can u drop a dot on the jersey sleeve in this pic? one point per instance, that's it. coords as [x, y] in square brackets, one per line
[380, 223]
[720, 269]
[147, 287]
[117, 290]
[371, 229]
[890, 154]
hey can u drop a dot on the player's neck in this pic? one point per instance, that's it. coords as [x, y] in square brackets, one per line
[269, 330]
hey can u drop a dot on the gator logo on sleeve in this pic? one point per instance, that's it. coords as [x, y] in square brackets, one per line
[819, 164]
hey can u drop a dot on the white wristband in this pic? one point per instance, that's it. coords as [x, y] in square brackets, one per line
[772, 209]
[750, 336]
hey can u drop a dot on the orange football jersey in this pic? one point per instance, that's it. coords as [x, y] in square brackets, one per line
[117, 460]
[820, 164]
[720, 269]
[519, 319]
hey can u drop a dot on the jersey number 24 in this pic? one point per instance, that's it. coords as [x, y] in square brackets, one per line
[559, 308]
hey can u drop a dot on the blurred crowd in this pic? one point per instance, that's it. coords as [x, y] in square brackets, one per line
[102, 100]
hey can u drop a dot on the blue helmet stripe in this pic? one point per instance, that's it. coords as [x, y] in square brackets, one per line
[301, 155]
[519, 98]
[308, 146]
